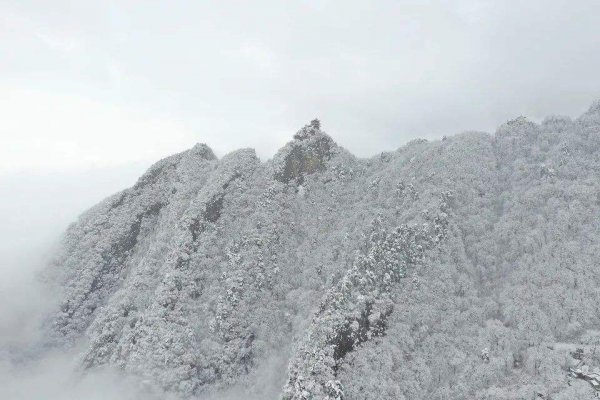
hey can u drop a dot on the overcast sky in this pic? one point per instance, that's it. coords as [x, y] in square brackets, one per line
[93, 91]
[101, 83]
[111, 86]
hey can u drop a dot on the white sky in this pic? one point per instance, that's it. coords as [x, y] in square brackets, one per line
[105, 83]
[93, 91]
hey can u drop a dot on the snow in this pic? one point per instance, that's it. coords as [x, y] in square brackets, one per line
[370, 278]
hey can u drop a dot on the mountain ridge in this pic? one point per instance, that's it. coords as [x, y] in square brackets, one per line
[208, 268]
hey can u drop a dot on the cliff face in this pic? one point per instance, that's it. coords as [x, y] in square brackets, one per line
[369, 278]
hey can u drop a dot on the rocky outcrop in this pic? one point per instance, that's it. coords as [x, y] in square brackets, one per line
[306, 154]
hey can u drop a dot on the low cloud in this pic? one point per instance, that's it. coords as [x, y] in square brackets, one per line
[36, 207]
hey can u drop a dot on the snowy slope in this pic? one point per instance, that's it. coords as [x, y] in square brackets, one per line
[329, 276]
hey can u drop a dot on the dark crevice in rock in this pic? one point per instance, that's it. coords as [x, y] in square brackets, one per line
[119, 202]
[211, 213]
[196, 228]
[305, 160]
[214, 207]
[235, 176]
[113, 261]
[246, 353]
[115, 257]
[357, 331]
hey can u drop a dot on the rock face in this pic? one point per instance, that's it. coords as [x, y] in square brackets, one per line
[307, 154]
[333, 277]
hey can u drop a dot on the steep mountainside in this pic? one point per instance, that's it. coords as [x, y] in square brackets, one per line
[461, 268]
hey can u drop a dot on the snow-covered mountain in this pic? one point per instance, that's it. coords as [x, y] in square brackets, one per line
[467, 267]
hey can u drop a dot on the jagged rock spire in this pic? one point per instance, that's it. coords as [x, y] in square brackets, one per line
[311, 129]
[305, 155]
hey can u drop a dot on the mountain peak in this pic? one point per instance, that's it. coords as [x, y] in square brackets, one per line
[309, 130]
[204, 151]
[306, 154]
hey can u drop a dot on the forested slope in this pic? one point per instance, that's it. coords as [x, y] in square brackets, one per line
[467, 267]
